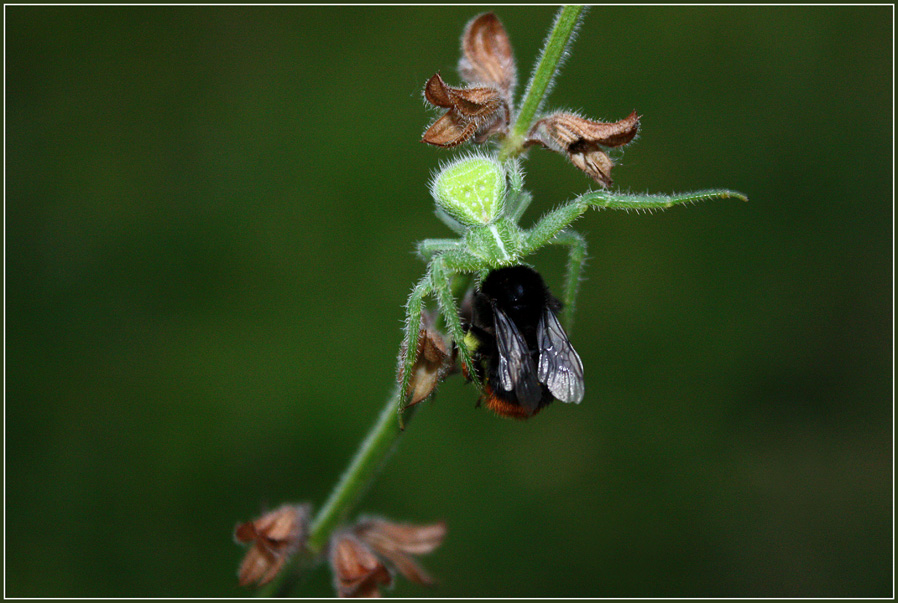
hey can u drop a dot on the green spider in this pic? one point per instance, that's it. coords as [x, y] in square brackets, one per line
[483, 200]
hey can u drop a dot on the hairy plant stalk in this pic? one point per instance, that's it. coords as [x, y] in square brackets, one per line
[553, 52]
[370, 458]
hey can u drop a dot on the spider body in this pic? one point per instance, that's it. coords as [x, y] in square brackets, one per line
[521, 353]
[495, 243]
[482, 200]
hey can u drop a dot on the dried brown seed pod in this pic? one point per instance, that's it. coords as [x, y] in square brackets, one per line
[357, 570]
[275, 536]
[583, 141]
[487, 58]
[397, 542]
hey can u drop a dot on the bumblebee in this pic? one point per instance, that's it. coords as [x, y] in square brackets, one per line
[521, 353]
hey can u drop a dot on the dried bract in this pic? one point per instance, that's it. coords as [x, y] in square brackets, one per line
[432, 364]
[396, 542]
[487, 57]
[485, 109]
[470, 110]
[357, 570]
[275, 537]
[449, 131]
[595, 163]
[584, 141]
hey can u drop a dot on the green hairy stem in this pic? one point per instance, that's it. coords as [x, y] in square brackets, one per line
[553, 52]
[372, 454]
[370, 458]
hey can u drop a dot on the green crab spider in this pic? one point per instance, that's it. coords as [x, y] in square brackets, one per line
[483, 200]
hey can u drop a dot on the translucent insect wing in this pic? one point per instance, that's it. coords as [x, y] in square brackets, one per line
[560, 368]
[516, 370]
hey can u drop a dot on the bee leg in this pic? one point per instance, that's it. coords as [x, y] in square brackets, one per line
[576, 244]
[413, 310]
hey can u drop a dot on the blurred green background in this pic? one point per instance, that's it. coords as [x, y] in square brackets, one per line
[210, 217]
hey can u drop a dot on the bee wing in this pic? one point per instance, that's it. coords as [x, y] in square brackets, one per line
[560, 367]
[516, 370]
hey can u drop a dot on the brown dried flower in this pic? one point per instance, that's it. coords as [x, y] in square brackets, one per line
[357, 571]
[432, 364]
[484, 109]
[396, 542]
[360, 556]
[471, 111]
[584, 141]
[275, 537]
[487, 59]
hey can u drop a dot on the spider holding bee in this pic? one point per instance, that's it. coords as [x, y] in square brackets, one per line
[482, 200]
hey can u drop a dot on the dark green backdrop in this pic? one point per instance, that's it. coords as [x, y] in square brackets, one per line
[210, 216]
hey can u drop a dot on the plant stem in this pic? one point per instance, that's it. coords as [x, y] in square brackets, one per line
[372, 454]
[367, 462]
[553, 51]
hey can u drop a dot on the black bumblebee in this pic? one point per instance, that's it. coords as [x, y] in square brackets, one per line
[521, 353]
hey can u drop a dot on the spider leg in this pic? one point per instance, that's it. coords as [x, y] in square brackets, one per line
[550, 225]
[550, 229]
[413, 311]
[441, 280]
[430, 247]
[516, 204]
[609, 200]
[576, 244]
[437, 282]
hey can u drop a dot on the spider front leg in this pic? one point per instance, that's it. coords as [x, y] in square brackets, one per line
[414, 310]
[547, 228]
[442, 271]
[551, 230]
